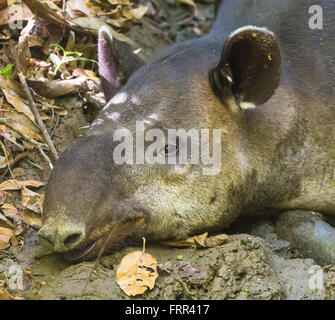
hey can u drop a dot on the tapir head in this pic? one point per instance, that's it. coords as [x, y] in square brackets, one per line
[124, 179]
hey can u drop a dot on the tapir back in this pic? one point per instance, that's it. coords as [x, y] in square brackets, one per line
[294, 131]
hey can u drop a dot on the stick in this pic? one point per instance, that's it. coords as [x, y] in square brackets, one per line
[22, 134]
[96, 263]
[38, 117]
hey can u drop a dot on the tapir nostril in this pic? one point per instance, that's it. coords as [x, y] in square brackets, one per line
[72, 240]
[63, 237]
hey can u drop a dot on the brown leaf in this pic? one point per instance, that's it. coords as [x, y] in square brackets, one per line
[77, 8]
[139, 12]
[17, 185]
[6, 232]
[14, 99]
[194, 242]
[201, 240]
[57, 88]
[95, 24]
[4, 242]
[31, 218]
[31, 200]
[4, 295]
[5, 221]
[12, 212]
[215, 241]
[137, 272]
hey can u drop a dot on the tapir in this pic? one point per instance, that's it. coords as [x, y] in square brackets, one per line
[265, 77]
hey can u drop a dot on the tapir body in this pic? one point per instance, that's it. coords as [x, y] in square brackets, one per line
[263, 76]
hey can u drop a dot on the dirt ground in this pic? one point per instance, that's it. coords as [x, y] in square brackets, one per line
[253, 264]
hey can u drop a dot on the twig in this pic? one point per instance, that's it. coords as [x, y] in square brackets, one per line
[38, 117]
[23, 135]
[45, 157]
[96, 263]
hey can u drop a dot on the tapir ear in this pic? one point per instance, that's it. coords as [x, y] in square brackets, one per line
[117, 62]
[249, 68]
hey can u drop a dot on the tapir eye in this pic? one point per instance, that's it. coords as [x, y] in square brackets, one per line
[170, 149]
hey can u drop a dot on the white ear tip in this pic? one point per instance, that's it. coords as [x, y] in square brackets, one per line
[251, 28]
[247, 105]
[103, 32]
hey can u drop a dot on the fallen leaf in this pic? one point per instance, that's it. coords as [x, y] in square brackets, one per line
[137, 272]
[139, 12]
[6, 232]
[57, 88]
[215, 241]
[31, 200]
[4, 242]
[31, 218]
[10, 211]
[95, 24]
[187, 270]
[193, 242]
[17, 185]
[201, 241]
[4, 295]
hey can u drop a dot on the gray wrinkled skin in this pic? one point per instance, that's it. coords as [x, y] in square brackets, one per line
[279, 155]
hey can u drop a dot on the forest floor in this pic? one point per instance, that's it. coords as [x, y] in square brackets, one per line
[252, 264]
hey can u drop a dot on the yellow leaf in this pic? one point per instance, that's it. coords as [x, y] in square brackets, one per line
[6, 232]
[31, 218]
[16, 185]
[139, 12]
[4, 242]
[137, 272]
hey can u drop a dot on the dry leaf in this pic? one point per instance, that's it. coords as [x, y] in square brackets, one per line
[16, 185]
[215, 241]
[4, 295]
[4, 242]
[18, 103]
[95, 24]
[139, 12]
[32, 200]
[201, 241]
[137, 272]
[12, 212]
[194, 242]
[6, 232]
[5, 221]
[31, 218]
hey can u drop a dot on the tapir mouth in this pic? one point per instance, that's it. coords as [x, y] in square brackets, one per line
[81, 253]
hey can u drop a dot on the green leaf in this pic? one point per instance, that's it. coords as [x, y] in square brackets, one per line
[7, 71]
[58, 46]
[68, 57]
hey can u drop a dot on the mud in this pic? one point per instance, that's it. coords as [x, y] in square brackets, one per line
[245, 268]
